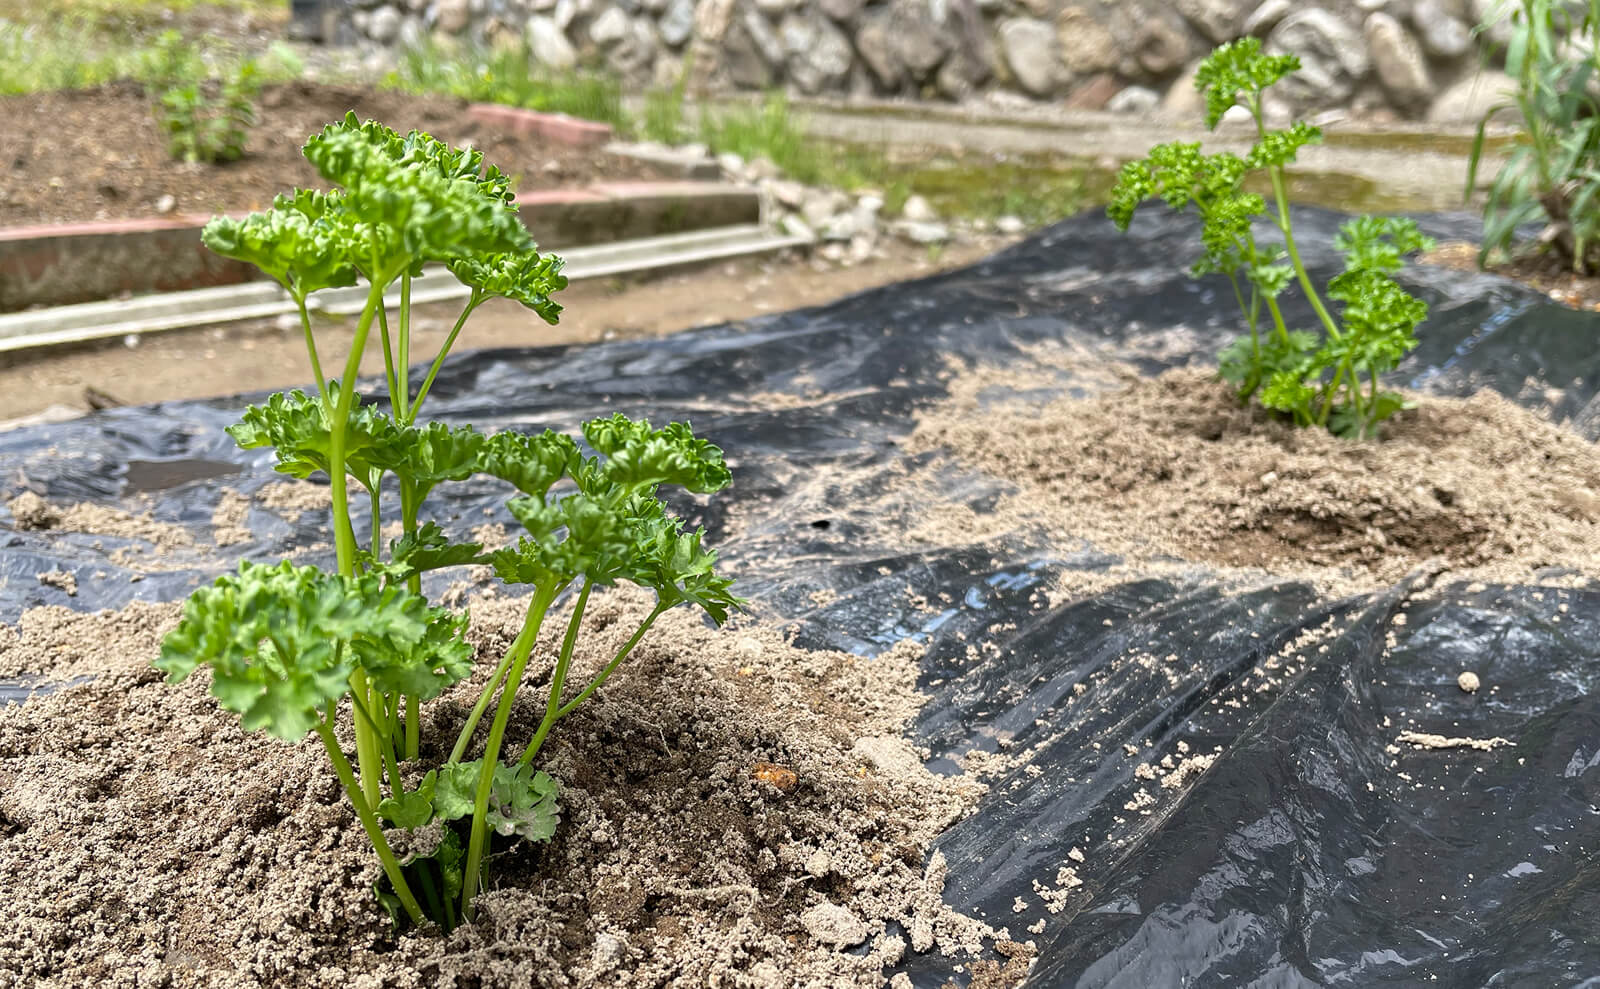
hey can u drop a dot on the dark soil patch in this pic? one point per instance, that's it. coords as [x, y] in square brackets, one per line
[99, 154]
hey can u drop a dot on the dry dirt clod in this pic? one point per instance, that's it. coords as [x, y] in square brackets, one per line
[774, 775]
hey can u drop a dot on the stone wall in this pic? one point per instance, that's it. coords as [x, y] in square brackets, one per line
[1385, 58]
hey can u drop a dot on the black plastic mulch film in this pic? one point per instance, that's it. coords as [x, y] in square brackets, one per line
[1299, 858]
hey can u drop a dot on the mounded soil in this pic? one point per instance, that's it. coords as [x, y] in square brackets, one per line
[1174, 468]
[735, 811]
[99, 154]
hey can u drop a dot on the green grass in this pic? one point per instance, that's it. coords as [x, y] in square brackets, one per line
[509, 76]
[76, 53]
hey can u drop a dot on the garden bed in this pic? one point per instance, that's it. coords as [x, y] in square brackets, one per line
[788, 763]
[100, 154]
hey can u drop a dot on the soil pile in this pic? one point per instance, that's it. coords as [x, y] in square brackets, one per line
[1175, 467]
[736, 811]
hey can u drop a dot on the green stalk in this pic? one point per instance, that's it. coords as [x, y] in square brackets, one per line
[377, 523]
[463, 739]
[1277, 320]
[402, 398]
[1280, 195]
[369, 820]
[497, 731]
[408, 519]
[595, 684]
[444, 351]
[1327, 402]
[311, 347]
[343, 535]
[388, 355]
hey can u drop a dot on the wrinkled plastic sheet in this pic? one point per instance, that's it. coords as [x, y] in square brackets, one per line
[1302, 857]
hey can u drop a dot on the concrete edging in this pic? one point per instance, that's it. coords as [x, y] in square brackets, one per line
[61, 264]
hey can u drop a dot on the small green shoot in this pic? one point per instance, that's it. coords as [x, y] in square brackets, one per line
[1329, 379]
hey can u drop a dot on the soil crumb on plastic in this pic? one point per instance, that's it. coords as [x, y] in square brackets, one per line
[292, 499]
[1428, 740]
[201, 855]
[230, 520]
[1175, 467]
[29, 511]
[63, 579]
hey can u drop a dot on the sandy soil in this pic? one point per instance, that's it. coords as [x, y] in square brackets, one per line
[202, 856]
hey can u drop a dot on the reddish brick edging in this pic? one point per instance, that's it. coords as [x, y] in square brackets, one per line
[85, 262]
[557, 127]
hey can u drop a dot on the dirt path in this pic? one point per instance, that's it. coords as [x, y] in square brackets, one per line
[242, 357]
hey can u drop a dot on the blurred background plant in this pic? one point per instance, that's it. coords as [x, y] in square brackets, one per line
[1552, 169]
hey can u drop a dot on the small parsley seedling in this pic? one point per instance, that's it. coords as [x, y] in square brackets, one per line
[1328, 379]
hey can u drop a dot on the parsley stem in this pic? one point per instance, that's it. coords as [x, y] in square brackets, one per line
[444, 351]
[343, 536]
[595, 684]
[388, 356]
[463, 739]
[521, 650]
[402, 398]
[369, 820]
[558, 679]
[1280, 195]
[311, 349]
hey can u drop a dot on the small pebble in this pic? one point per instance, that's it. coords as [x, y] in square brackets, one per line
[1468, 681]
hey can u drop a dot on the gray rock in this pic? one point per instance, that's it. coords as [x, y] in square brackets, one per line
[1218, 20]
[1134, 100]
[766, 39]
[920, 38]
[383, 25]
[875, 43]
[677, 22]
[793, 226]
[634, 56]
[609, 951]
[1468, 100]
[653, 6]
[1333, 58]
[1398, 59]
[961, 74]
[1266, 17]
[1163, 44]
[922, 233]
[843, 11]
[1181, 100]
[548, 44]
[413, 33]
[712, 19]
[840, 227]
[563, 13]
[1086, 44]
[787, 193]
[821, 204]
[1029, 47]
[917, 210]
[540, 6]
[452, 16]
[820, 55]
[609, 28]
[774, 8]
[166, 204]
[1010, 225]
[732, 164]
[1442, 35]
[747, 67]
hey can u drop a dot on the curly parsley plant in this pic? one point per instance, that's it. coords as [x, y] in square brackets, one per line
[296, 651]
[1328, 379]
